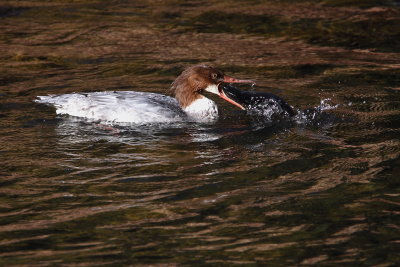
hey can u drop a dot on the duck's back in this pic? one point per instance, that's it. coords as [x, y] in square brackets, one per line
[117, 106]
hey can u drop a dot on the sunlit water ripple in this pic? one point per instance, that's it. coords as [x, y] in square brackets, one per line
[320, 188]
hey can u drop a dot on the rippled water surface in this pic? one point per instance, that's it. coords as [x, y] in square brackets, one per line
[322, 189]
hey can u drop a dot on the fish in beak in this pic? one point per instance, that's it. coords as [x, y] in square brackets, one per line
[232, 95]
[251, 100]
[216, 89]
[222, 94]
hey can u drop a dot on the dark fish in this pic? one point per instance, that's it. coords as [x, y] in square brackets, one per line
[255, 102]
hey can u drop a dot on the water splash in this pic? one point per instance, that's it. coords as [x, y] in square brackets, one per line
[314, 114]
[266, 113]
[267, 110]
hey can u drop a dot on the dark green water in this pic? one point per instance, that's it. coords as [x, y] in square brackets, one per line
[323, 191]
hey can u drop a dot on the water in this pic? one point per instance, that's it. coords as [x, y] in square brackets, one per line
[322, 189]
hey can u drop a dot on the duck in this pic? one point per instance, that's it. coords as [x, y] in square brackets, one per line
[188, 103]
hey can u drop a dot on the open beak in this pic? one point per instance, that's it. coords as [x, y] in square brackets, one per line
[228, 92]
[222, 88]
[225, 97]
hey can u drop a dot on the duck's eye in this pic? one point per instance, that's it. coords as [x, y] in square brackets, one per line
[214, 76]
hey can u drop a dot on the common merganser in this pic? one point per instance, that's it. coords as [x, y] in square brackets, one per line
[142, 107]
[260, 103]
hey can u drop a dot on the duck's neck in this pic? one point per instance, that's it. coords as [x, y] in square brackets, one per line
[202, 109]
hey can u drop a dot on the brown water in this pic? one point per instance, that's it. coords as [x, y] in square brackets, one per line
[323, 190]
